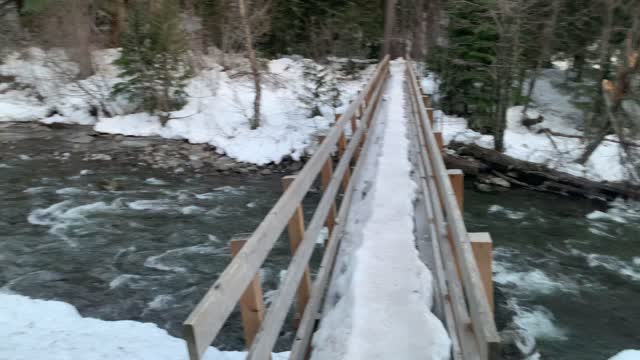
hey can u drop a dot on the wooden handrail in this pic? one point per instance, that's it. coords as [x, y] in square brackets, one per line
[276, 314]
[456, 314]
[303, 336]
[206, 320]
[481, 316]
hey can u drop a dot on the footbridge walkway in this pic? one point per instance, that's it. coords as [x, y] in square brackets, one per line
[417, 282]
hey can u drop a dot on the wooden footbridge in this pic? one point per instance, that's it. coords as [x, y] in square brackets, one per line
[459, 261]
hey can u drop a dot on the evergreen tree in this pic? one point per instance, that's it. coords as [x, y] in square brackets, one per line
[321, 88]
[153, 63]
[464, 64]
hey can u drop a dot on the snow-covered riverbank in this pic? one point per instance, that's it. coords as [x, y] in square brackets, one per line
[217, 110]
[561, 116]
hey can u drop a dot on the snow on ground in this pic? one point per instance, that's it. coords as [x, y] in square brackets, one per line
[53, 330]
[379, 304]
[217, 112]
[627, 355]
[47, 89]
[455, 129]
[556, 152]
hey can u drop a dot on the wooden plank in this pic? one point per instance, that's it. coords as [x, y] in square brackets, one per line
[456, 177]
[277, 312]
[296, 232]
[307, 325]
[481, 314]
[482, 246]
[206, 320]
[251, 301]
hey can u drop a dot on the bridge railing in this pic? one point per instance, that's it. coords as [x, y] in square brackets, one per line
[462, 299]
[204, 323]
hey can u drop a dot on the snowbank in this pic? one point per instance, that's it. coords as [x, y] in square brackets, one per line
[45, 85]
[627, 355]
[218, 109]
[455, 129]
[379, 304]
[53, 330]
[556, 152]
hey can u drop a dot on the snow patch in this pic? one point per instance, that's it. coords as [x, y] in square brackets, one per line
[38, 329]
[627, 355]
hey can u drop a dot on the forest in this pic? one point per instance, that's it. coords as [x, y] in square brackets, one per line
[487, 54]
[323, 179]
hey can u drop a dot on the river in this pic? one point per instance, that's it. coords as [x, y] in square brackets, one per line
[569, 272]
[119, 240]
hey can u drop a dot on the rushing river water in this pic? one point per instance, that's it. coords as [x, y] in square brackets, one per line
[120, 241]
[570, 273]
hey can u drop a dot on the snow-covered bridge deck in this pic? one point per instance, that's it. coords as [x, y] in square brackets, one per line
[398, 277]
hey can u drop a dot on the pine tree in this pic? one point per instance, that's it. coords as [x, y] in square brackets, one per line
[153, 62]
[321, 89]
[464, 64]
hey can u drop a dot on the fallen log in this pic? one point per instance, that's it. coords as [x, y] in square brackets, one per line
[555, 133]
[478, 160]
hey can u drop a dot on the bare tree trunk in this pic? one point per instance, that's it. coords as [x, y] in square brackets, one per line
[195, 35]
[253, 61]
[389, 24]
[599, 104]
[119, 23]
[81, 46]
[547, 35]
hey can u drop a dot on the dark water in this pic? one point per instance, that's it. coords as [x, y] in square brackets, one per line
[573, 282]
[121, 241]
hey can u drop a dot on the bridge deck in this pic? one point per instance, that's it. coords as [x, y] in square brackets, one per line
[394, 197]
[380, 300]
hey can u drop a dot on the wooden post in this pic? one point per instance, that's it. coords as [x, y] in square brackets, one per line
[426, 100]
[296, 234]
[439, 140]
[251, 301]
[430, 115]
[456, 177]
[354, 124]
[482, 246]
[325, 179]
[342, 147]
